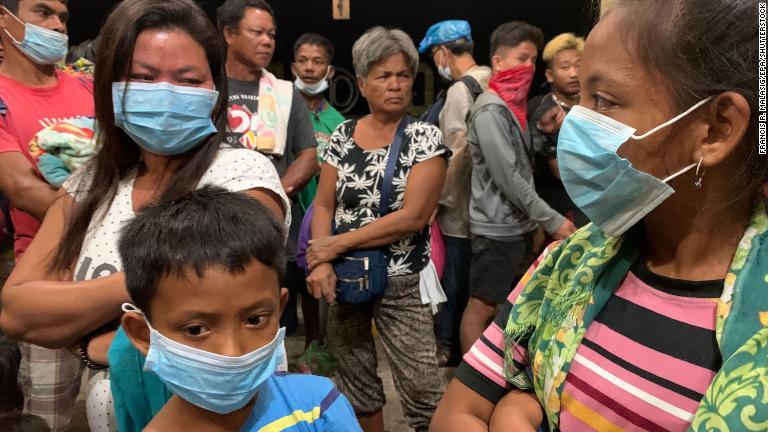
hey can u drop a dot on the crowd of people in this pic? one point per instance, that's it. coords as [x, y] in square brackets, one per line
[586, 259]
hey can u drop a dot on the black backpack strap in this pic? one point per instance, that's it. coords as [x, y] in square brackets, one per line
[473, 85]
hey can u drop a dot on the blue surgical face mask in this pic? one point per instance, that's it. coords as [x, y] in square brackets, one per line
[214, 382]
[42, 46]
[162, 118]
[612, 193]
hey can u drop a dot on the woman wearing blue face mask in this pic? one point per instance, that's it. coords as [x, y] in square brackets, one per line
[654, 316]
[160, 94]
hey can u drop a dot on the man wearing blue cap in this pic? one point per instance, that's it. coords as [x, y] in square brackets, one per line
[450, 44]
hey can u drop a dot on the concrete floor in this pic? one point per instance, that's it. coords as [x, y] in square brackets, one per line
[393, 412]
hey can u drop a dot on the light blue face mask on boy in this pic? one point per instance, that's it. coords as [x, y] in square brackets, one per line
[162, 118]
[612, 193]
[214, 382]
[42, 46]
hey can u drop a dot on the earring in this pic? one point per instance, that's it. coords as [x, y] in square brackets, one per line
[699, 177]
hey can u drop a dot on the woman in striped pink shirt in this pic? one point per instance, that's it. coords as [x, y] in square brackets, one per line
[639, 320]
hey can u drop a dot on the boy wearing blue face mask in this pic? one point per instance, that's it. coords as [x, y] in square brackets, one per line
[205, 312]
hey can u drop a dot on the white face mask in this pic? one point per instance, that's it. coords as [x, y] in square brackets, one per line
[312, 89]
[445, 73]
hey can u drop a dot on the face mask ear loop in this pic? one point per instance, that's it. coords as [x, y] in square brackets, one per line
[699, 177]
[663, 125]
[130, 308]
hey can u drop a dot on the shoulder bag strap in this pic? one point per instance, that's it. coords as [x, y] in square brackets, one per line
[389, 172]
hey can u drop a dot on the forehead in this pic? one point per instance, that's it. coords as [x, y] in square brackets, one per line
[169, 48]
[311, 50]
[607, 57]
[567, 55]
[218, 291]
[525, 47]
[253, 17]
[57, 5]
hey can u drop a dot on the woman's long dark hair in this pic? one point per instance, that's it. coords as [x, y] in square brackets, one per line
[119, 155]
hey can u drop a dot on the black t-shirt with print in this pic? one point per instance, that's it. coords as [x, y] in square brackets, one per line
[358, 186]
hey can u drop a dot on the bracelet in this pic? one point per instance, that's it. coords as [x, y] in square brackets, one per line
[90, 364]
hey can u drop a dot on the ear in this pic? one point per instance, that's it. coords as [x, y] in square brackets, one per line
[283, 299]
[361, 86]
[137, 331]
[229, 35]
[496, 61]
[331, 72]
[726, 123]
[548, 74]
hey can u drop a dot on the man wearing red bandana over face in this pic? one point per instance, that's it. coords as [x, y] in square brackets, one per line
[504, 209]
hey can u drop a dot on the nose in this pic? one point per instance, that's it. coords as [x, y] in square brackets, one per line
[57, 25]
[231, 346]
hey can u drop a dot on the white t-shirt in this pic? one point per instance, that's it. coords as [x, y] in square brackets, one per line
[233, 169]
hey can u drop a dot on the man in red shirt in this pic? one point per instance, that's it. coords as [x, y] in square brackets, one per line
[34, 95]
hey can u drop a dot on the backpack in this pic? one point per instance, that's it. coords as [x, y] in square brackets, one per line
[432, 114]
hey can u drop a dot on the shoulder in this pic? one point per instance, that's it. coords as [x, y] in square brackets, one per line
[305, 391]
[238, 169]
[419, 129]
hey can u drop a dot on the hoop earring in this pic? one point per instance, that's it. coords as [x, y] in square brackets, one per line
[699, 177]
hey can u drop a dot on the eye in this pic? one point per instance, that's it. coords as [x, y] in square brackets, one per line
[257, 320]
[195, 330]
[191, 81]
[601, 103]
[141, 77]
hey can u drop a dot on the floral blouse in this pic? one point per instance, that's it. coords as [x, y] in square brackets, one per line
[358, 186]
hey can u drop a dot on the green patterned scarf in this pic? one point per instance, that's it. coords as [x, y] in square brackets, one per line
[575, 280]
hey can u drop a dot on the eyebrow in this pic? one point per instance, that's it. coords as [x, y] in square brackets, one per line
[597, 78]
[153, 69]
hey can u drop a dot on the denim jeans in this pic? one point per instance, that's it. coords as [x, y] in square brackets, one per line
[458, 253]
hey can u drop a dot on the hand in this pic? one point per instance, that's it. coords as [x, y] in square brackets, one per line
[566, 229]
[551, 121]
[321, 282]
[322, 250]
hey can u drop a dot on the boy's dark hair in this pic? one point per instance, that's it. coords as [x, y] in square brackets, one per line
[209, 227]
[460, 46]
[513, 33]
[18, 422]
[314, 39]
[13, 5]
[229, 14]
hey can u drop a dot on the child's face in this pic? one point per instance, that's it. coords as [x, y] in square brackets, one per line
[222, 313]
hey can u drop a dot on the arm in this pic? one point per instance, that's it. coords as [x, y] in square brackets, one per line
[461, 410]
[454, 128]
[421, 196]
[321, 281]
[517, 411]
[45, 308]
[25, 190]
[270, 200]
[303, 144]
[499, 149]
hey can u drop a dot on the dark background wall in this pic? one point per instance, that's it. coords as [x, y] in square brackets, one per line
[295, 17]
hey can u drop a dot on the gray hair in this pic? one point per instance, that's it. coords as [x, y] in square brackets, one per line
[377, 44]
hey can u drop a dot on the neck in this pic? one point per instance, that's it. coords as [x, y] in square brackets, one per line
[20, 68]
[690, 236]
[313, 101]
[240, 71]
[157, 169]
[566, 98]
[202, 419]
[385, 120]
[462, 64]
